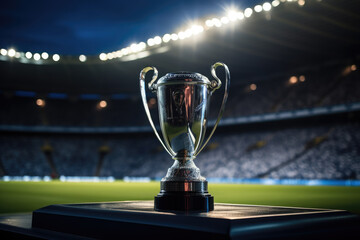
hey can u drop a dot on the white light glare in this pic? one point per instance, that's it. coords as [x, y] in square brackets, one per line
[142, 46]
[103, 57]
[209, 23]
[240, 15]
[166, 38]
[181, 35]
[56, 57]
[151, 42]
[3, 52]
[110, 56]
[28, 55]
[275, 3]
[134, 47]
[82, 58]
[37, 56]
[266, 6]
[17, 55]
[248, 12]
[188, 33]
[258, 8]
[174, 37]
[196, 29]
[45, 55]
[125, 51]
[216, 22]
[225, 20]
[232, 15]
[118, 54]
[11, 52]
[157, 40]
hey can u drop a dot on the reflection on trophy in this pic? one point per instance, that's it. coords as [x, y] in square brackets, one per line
[183, 102]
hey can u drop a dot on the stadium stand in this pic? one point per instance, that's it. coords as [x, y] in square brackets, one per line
[324, 87]
[307, 152]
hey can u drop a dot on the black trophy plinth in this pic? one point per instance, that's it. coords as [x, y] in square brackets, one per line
[183, 201]
[138, 219]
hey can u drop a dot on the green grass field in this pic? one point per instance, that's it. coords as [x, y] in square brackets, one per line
[28, 196]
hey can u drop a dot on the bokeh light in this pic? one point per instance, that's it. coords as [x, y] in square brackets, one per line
[40, 102]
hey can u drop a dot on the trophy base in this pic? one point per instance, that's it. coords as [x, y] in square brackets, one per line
[184, 201]
[138, 220]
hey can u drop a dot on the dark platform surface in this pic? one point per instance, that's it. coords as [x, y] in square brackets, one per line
[135, 219]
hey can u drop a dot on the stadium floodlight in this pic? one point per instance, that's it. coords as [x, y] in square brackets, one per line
[157, 40]
[137, 47]
[216, 22]
[151, 42]
[188, 33]
[225, 20]
[118, 54]
[293, 80]
[17, 55]
[103, 56]
[196, 29]
[248, 12]
[45, 55]
[181, 35]
[3, 52]
[301, 2]
[28, 55]
[134, 48]
[174, 37]
[37, 56]
[125, 51]
[253, 86]
[275, 3]
[102, 104]
[11, 52]
[232, 15]
[266, 7]
[209, 23]
[40, 102]
[142, 46]
[56, 57]
[166, 38]
[258, 8]
[240, 15]
[110, 56]
[82, 58]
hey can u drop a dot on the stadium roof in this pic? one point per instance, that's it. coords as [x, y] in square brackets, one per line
[290, 39]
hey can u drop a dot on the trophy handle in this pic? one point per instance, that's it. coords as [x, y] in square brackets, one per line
[153, 88]
[216, 84]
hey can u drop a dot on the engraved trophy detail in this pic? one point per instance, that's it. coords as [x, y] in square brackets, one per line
[183, 102]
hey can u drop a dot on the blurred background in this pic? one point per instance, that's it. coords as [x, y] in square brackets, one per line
[70, 107]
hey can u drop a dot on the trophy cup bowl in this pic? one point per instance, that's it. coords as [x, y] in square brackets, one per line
[183, 103]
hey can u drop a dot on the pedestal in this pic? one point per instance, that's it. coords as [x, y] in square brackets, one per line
[137, 219]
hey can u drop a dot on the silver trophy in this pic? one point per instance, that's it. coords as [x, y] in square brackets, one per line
[183, 102]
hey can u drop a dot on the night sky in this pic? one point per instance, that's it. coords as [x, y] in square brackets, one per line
[91, 27]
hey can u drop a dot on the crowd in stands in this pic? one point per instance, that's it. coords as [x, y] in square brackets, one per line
[308, 152]
[330, 151]
[323, 87]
